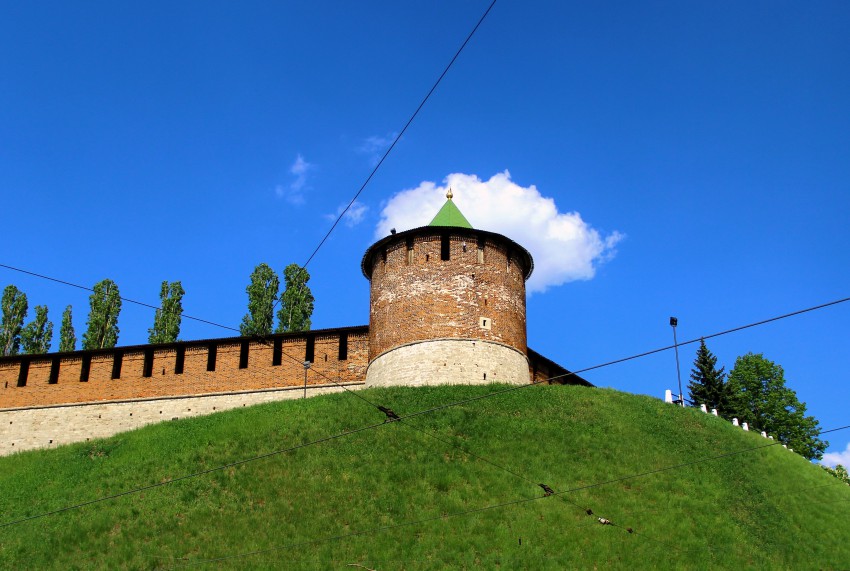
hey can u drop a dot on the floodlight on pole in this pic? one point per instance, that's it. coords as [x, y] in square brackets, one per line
[673, 323]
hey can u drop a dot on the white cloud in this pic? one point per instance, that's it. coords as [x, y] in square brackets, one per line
[294, 193]
[353, 216]
[565, 248]
[375, 146]
[833, 458]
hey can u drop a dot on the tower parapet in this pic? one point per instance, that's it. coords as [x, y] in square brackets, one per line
[447, 305]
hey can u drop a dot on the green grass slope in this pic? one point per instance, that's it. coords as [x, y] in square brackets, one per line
[356, 499]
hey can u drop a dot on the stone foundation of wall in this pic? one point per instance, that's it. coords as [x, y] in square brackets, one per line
[448, 361]
[50, 426]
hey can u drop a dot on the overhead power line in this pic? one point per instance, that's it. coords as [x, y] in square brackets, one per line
[339, 217]
[630, 358]
[392, 145]
[413, 415]
[401, 133]
[122, 298]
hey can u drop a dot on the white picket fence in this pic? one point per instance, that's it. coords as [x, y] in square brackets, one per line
[668, 398]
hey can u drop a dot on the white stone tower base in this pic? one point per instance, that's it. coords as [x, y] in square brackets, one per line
[448, 361]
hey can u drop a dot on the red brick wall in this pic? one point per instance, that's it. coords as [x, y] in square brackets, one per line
[195, 379]
[423, 297]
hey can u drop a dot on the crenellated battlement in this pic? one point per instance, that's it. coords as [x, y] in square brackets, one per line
[184, 368]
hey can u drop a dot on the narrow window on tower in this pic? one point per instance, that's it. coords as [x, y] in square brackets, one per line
[54, 371]
[23, 372]
[310, 351]
[147, 369]
[480, 250]
[179, 358]
[445, 248]
[117, 361]
[211, 353]
[343, 347]
[409, 251]
[277, 352]
[243, 355]
[85, 367]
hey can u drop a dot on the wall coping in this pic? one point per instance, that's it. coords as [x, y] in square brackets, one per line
[316, 333]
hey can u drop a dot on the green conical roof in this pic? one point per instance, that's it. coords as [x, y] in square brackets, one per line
[450, 215]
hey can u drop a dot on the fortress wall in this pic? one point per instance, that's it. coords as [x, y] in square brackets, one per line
[47, 427]
[238, 364]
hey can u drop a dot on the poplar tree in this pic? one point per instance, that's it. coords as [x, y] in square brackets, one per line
[296, 302]
[708, 383]
[67, 336]
[166, 322]
[102, 326]
[758, 395]
[37, 335]
[14, 307]
[262, 295]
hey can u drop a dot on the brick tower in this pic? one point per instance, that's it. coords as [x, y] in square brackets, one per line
[447, 305]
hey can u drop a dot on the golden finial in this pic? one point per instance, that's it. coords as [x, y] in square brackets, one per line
[449, 194]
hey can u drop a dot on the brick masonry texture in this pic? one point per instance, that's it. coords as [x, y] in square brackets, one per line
[459, 320]
[258, 374]
[448, 361]
[416, 295]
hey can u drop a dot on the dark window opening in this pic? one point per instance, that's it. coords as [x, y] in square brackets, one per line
[211, 353]
[54, 371]
[117, 360]
[179, 360]
[384, 257]
[147, 368]
[85, 369]
[243, 355]
[343, 347]
[277, 352]
[310, 352]
[23, 373]
[445, 249]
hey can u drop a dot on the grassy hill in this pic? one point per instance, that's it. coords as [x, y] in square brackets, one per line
[767, 508]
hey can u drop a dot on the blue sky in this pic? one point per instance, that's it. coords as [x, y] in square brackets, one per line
[192, 141]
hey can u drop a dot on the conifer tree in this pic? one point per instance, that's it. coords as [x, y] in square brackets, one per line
[296, 305]
[758, 395]
[166, 322]
[102, 326]
[14, 307]
[37, 335]
[67, 336]
[262, 295]
[708, 383]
